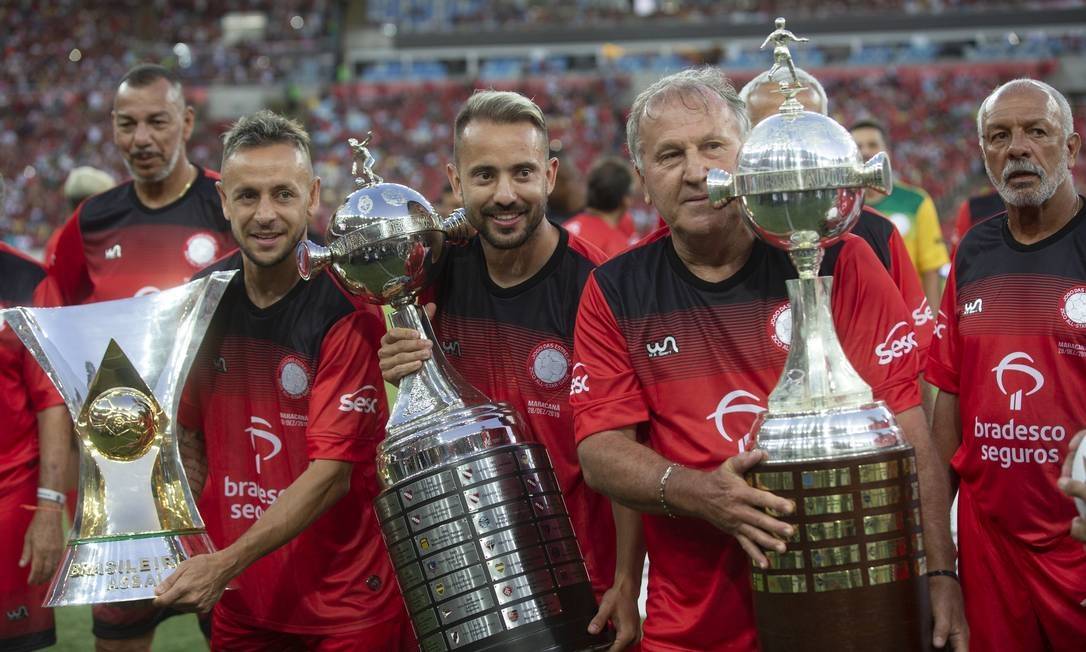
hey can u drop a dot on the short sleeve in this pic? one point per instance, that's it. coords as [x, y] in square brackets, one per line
[347, 405]
[907, 281]
[930, 247]
[67, 263]
[874, 326]
[605, 393]
[40, 389]
[944, 358]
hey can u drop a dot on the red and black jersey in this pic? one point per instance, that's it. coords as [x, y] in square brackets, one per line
[271, 389]
[516, 345]
[975, 210]
[695, 361]
[1011, 343]
[114, 247]
[879, 232]
[25, 390]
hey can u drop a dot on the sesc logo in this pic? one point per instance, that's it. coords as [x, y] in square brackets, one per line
[356, 402]
[256, 431]
[940, 325]
[728, 405]
[1010, 363]
[578, 383]
[895, 347]
[923, 314]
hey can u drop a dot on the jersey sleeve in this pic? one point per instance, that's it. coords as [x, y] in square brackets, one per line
[930, 247]
[944, 358]
[605, 393]
[961, 223]
[907, 281]
[40, 389]
[67, 263]
[347, 406]
[874, 326]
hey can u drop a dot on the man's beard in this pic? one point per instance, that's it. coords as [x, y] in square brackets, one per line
[162, 174]
[487, 228]
[1027, 197]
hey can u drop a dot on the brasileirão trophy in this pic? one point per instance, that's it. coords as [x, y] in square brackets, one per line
[853, 575]
[471, 513]
[119, 367]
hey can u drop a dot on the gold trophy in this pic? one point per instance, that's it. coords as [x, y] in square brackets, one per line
[119, 366]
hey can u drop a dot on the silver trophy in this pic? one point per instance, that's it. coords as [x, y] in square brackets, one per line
[471, 512]
[853, 575]
[119, 366]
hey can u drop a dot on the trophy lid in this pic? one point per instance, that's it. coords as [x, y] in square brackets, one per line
[799, 174]
[381, 208]
[384, 240]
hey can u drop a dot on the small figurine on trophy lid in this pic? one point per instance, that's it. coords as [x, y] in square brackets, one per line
[833, 449]
[471, 513]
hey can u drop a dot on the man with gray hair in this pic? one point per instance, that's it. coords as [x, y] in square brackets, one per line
[291, 510]
[1008, 362]
[678, 344]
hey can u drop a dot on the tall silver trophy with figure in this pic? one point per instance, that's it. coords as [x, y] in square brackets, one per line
[471, 511]
[853, 575]
[119, 366]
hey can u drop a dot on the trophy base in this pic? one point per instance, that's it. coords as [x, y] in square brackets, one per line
[122, 568]
[853, 575]
[485, 554]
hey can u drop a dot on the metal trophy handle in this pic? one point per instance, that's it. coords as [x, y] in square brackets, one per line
[119, 366]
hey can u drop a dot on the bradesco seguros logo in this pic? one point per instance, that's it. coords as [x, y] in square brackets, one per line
[735, 402]
[1015, 441]
[1010, 364]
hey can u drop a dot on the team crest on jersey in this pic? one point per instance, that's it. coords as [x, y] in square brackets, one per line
[780, 326]
[1073, 307]
[200, 250]
[293, 377]
[548, 365]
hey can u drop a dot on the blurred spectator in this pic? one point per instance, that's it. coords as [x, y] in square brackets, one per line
[606, 221]
[85, 181]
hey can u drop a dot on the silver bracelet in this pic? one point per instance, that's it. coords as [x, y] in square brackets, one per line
[49, 494]
[663, 486]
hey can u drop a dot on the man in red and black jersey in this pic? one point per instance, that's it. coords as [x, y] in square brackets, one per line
[1009, 363]
[148, 234]
[287, 399]
[677, 345]
[763, 99]
[505, 310]
[159, 228]
[35, 436]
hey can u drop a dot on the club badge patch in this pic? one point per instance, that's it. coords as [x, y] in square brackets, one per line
[293, 377]
[549, 364]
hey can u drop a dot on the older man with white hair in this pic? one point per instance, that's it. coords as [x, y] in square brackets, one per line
[676, 348]
[1009, 363]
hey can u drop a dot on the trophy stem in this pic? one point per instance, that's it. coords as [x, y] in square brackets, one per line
[434, 388]
[817, 375]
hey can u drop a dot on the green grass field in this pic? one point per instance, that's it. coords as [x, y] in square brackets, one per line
[177, 634]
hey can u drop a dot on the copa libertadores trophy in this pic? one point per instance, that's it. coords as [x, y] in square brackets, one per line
[471, 511]
[853, 575]
[119, 366]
